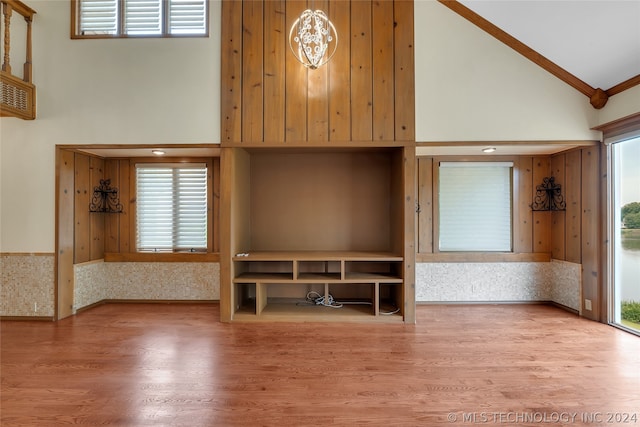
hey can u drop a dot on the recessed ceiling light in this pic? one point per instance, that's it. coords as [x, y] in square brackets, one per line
[158, 152]
[489, 149]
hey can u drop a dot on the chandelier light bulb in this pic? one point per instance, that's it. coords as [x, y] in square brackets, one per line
[313, 38]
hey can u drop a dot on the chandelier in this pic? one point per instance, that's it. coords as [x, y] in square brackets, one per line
[313, 38]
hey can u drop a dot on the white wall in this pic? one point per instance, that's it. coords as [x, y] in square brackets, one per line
[119, 91]
[621, 105]
[471, 87]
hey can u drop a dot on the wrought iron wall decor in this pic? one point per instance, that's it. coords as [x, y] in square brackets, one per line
[548, 196]
[105, 199]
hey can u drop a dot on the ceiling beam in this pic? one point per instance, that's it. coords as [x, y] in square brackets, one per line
[633, 81]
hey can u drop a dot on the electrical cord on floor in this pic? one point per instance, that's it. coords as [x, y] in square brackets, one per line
[318, 299]
[314, 298]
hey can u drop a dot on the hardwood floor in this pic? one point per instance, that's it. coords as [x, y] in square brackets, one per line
[177, 365]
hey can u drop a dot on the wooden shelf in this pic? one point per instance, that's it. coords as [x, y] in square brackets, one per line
[303, 271]
[319, 278]
[317, 256]
[263, 278]
[295, 310]
[372, 277]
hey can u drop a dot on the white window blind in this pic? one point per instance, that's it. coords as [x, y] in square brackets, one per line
[142, 17]
[98, 17]
[187, 17]
[475, 206]
[171, 207]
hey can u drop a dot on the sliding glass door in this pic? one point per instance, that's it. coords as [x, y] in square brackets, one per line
[625, 232]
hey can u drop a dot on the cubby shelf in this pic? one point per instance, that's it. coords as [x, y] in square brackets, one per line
[341, 269]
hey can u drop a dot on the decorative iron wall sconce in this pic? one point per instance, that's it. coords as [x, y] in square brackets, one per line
[105, 199]
[548, 196]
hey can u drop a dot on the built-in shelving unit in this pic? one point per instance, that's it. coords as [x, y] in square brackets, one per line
[275, 284]
[333, 223]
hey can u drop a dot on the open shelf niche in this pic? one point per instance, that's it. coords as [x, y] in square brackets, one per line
[332, 223]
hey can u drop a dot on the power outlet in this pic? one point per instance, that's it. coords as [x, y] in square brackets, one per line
[587, 304]
[35, 307]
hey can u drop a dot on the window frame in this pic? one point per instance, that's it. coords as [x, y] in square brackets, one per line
[174, 202]
[436, 196]
[611, 265]
[75, 21]
[212, 225]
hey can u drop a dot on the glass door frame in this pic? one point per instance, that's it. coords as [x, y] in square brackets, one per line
[612, 235]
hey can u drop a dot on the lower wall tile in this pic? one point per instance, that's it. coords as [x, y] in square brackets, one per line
[469, 282]
[27, 284]
[90, 284]
[556, 281]
[27, 281]
[145, 281]
[566, 278]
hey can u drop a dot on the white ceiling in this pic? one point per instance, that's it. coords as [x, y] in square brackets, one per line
[597, 41]
[210, 150]
[501, 148]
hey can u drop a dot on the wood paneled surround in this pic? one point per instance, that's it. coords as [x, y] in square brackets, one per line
[83, 236]
[576, 232]
[112, 236]
[573, 235]
[365, 93]
[361, 101]
[597, 96]
[531, 230]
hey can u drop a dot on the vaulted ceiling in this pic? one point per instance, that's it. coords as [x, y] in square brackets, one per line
[591, 44]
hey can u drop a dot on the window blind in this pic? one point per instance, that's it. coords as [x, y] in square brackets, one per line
[98, 17]
[171, 207]
[187, 17]
[475, 206]
[143, 17]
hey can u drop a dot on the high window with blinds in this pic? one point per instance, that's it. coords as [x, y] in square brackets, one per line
[171, 207]
[149, 18]
[475, 206]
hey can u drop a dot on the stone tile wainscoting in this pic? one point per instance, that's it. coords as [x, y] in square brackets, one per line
[27, 284]
[97, 281]
[556, 281]
[566, 278]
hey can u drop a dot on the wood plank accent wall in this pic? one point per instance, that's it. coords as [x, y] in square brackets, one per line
[573, 235]
[541, 219]
[523, 216]
[88, 227]
[573, 200]
[117, 230]
[97, 234]
[591, 277]
[576, 232]
[531, 230]
[64, 233]
[365, 93]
